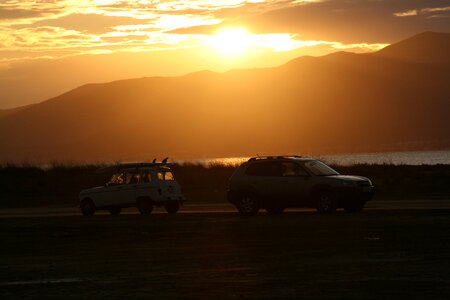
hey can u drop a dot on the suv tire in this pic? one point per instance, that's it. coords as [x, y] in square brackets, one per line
[326, 202]
[247, 205]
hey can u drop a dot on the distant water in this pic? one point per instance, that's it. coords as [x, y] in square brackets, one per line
[393, 158]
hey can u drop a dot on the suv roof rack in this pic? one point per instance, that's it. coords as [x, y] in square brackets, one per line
[274, 157]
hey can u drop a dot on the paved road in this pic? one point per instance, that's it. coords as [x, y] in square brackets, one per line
[220, 208]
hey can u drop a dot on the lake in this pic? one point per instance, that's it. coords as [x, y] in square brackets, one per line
[393, 158]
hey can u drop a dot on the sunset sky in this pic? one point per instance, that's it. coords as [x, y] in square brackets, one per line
[48, 47]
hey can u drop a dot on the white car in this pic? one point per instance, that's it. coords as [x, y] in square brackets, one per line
[141, 185]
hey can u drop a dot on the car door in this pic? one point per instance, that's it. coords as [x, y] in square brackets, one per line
[262, 177]
[119, 191]
[294, 183]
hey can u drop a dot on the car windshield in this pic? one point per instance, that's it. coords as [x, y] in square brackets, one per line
[318, 168]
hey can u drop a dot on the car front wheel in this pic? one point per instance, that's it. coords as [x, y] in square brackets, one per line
[248, 205]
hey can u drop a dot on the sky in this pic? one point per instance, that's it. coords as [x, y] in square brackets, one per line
[48, 47]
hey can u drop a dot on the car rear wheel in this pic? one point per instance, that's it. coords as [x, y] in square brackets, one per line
[172, 207]
[326, 202]
[115, 210]
[145, 206]
[87, 207]
[247, 205]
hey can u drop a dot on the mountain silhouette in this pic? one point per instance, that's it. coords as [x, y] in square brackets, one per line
[427, 47]
[393, 100]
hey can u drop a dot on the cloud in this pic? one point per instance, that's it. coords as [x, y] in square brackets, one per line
[423, 11]
[408, 13]
[60, 28]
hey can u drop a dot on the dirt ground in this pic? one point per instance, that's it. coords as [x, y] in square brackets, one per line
[379, 254]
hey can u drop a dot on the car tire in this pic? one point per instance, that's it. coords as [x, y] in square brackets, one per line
[354, 207]
[247, 205]
[326, 202]
[172, 207]
[145, 206]
[275, 210]
[87, 207]
[115, 210]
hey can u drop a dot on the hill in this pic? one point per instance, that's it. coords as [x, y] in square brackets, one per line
[395, 99]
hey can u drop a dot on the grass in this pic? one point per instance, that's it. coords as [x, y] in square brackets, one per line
[26, 185]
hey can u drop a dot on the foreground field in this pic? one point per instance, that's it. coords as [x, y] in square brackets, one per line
[378, 254]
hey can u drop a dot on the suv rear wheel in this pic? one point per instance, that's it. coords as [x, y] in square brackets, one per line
[247, 205]
[325, 202]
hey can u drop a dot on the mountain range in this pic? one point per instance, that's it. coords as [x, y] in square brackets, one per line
[396, 99]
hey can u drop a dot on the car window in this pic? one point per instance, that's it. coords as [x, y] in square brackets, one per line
[292, 169]
[318, 168]
[146, 177]
[128, 177]
[117, 178]
[165, 175]
[267, 168]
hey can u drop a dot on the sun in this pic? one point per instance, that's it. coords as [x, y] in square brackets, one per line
[231, 41]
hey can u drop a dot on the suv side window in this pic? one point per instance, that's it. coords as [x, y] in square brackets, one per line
[292, 169]
[266, 168]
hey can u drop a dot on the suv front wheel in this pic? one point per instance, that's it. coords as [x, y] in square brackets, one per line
[247, 205]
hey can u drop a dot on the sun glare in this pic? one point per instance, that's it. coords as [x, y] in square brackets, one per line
[231, 41]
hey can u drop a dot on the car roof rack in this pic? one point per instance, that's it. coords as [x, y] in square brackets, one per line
[133, 165]
[274, 157]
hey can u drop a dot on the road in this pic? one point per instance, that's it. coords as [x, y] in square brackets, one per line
[393, 251]
[219, 208]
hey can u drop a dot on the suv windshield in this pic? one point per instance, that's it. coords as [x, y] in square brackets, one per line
[318, 168]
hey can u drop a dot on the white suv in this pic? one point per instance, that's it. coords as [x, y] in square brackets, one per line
[141, 185]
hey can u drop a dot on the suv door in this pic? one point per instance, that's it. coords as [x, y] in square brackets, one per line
[263, 177]
[295, 183]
